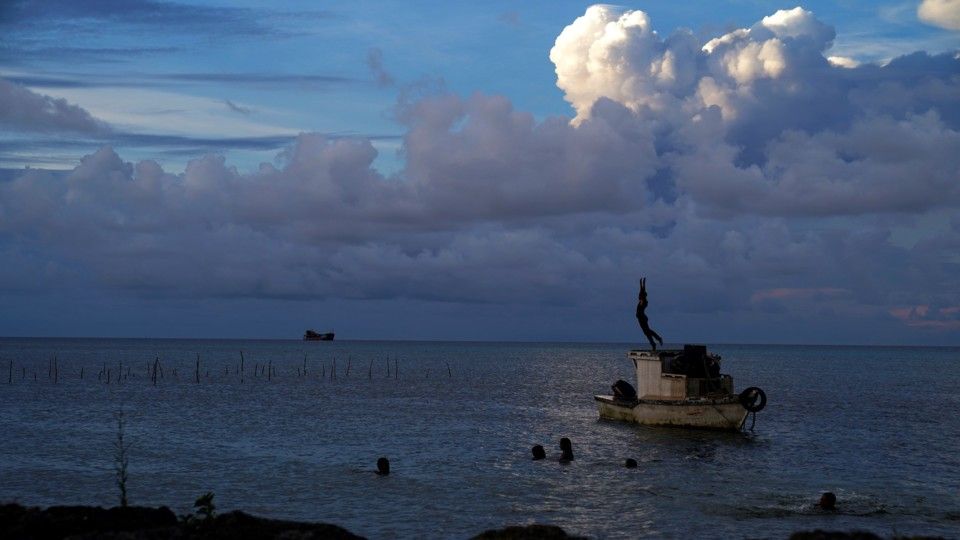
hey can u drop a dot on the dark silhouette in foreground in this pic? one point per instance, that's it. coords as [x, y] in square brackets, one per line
[566, 449]
[527, 532]
[538, 452]
[642, 316]
[624, 391]
[136, 522]
[141, 523]
[383, 466]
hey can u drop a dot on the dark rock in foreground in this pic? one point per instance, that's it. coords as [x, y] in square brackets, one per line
[134, 523]
[528, 532]
[141, 523]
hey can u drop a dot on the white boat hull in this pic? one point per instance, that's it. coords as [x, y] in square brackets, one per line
[725, 413]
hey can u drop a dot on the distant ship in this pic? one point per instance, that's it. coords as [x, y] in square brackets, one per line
[310, 335]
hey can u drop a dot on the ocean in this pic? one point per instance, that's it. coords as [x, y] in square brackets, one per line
[878, 426]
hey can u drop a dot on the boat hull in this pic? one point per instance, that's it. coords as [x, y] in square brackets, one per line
[313, 336]
[724, 414]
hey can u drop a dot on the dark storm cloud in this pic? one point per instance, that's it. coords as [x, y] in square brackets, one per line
[34, 121]
[24, 110]
[680, 166]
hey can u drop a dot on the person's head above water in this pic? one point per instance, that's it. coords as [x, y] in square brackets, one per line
[383, 466]
[538, 452]
[630, 463]
[566, 447]
[828, 501]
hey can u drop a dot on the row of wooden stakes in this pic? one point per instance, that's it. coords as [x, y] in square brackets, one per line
[155, 370]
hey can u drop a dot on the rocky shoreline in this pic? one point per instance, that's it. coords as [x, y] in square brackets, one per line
[143, 523]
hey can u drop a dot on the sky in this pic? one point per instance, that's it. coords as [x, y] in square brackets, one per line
[780, 173]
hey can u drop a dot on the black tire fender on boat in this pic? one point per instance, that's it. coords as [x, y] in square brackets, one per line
[753, 399]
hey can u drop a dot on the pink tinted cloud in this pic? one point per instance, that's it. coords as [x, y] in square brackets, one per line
[923, 316]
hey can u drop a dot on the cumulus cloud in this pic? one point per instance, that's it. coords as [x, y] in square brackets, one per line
[746, 175]
[24, 110]
[618, 55]
[797, 132]
[942, 13]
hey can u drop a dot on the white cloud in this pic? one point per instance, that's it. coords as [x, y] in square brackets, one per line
[942, 13]
[842, 61]
[606, 53]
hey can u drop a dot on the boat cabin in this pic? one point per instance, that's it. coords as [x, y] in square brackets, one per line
[677, 374]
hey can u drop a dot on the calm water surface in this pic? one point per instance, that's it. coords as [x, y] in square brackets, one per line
[878, 426]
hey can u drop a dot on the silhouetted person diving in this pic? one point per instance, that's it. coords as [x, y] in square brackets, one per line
[642, 317]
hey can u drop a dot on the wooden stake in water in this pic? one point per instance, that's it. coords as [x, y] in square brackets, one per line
[396, 368]
[10, 374]
[198, 368]
[449, 373]
[241, 367]
[370, 374]
[349, 361]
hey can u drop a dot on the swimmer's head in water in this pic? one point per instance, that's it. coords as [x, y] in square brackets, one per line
[538, 452]
[383, 466]
[566, 447]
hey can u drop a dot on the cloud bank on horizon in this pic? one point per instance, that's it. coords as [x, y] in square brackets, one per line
[752, 177]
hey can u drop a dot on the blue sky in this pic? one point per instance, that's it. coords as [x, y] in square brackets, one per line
[452, 171]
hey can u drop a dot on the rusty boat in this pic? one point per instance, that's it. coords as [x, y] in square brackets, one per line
[683, 388]
[310, 335]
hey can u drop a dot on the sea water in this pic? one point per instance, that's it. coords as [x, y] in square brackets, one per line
[878, 426]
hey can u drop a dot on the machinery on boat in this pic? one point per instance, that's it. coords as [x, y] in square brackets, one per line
[680, 387]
